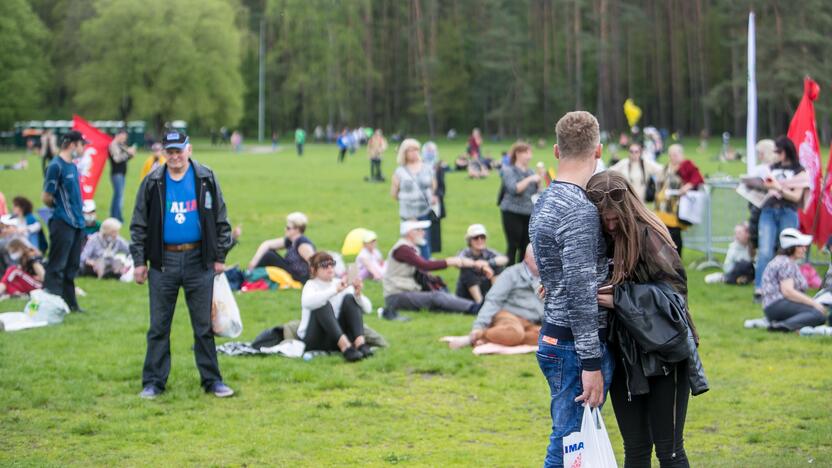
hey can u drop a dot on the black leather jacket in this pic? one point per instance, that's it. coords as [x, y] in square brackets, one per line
[146, 227]
[652, 331]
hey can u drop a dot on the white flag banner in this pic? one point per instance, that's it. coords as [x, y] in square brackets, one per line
[751, 123]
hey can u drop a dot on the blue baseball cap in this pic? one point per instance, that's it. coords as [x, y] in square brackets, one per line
[175, 139]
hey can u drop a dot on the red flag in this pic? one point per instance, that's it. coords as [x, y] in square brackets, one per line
[91, 165]
[804, 135]
[824, 229]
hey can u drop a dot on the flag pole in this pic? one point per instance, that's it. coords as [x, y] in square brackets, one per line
[751, 121]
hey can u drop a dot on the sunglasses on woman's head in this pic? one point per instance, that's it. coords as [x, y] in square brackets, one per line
[597, 196]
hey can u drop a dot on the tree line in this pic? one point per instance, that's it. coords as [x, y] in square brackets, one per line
[510, 67]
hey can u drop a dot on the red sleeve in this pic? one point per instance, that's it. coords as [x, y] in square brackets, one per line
[690, 174]
[408, 255]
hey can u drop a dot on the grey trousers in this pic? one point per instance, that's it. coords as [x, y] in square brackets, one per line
[793, 315]
[431, 300]
[181, 270]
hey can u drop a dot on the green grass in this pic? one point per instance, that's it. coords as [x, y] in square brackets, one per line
[68, 394]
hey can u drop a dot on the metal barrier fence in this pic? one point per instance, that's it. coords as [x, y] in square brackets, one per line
[724, 209]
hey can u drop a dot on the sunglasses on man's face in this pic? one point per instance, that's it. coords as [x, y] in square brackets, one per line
[598, 196]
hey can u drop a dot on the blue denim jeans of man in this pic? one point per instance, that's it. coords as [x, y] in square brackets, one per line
[183, 270]
[562, 368]
[424, 250]
[772, 222]
[118, 196]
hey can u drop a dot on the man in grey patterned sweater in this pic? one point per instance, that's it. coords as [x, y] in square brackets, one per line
[565, 231]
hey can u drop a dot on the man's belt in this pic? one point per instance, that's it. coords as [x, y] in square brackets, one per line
[182, 247]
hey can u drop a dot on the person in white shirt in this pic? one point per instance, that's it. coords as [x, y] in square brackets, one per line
[638, 170]
[331, 312]
[370, 260]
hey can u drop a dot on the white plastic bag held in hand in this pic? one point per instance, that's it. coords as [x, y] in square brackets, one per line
[590, 447]
[225, 315]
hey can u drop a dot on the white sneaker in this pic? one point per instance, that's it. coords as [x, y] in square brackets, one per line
[714, 278]
[757, 323]
[820, 330]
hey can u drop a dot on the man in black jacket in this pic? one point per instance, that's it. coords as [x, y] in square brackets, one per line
[180, 227]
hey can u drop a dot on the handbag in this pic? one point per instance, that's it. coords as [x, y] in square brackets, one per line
[650, 185]
[430, 283]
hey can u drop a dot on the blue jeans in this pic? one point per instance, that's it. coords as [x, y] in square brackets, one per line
[424, 250]
[118, 196]
[562, 368]
[772, 222]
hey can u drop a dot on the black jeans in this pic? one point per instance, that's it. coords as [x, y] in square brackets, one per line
[676, 235]
[64, 260]
[657, 418]
[273, 259]
[324, 329]
[469, 277]
[182, 270]
[342, 152]
[375, 169]
[516, 229]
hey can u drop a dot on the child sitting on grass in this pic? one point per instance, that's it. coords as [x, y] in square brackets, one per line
[738, 267]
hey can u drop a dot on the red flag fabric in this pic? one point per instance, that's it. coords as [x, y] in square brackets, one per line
[824, 229]
[804, 135]
[92, 163]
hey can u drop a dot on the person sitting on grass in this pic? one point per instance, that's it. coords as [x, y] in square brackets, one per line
[512, 311]
[91, 222]
[406, 284]
[22, 209]
[24, 276]
[474, 283]
[106, 254]
[299, 249]
[737, 267]
[370, 261]
[331, 312]
[785, 303]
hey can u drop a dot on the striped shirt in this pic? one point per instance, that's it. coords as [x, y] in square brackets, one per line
[569, 248]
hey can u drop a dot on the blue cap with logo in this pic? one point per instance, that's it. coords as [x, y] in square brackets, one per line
[175, 139]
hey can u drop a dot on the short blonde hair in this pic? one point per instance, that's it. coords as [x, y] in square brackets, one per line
[297, 220]
[111, 225]
[578, 135]
[519, 146]
[401, 156]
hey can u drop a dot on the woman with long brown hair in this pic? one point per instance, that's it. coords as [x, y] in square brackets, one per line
[642, 252]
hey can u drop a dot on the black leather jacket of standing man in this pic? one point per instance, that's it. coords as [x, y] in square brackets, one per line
[147, 225]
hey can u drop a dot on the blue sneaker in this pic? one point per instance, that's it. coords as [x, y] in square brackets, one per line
[220, 390]
[150, 392]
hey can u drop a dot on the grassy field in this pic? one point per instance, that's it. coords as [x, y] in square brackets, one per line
[68, 394]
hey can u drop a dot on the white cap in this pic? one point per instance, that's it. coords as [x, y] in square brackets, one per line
[411, 225]
[89, 206]
[369, 236]
[8, 220]
[475, 230]
[791, 237]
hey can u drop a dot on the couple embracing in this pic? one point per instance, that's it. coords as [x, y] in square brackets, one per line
[616, 315]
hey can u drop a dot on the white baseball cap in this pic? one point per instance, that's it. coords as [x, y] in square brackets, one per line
[411, 225]
[475, 230]
[89, 206]
[369, 236]
[791, 237]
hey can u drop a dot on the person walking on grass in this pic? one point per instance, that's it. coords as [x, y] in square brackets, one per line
[565, 231]
[62, 192]
[120, 153]
[300, 140]
[180, 228]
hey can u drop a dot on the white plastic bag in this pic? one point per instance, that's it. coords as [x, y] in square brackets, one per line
[692, 206]
[45, 307]
[589, 447]
[225, 315]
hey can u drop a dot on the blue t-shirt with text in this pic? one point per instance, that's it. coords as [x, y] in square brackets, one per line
[181, 210]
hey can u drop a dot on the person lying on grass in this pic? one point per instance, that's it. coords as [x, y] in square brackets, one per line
[331, 312]
[512, 310]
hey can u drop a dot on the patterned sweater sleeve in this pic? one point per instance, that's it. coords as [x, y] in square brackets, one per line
[580, 237]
